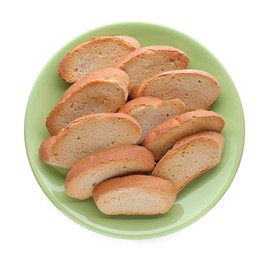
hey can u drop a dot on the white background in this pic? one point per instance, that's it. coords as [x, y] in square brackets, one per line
[236, 32]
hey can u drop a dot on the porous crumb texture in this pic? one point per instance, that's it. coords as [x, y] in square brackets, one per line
[92, 170]
[88, 135]
[82, 186]
[151, 115]
[191, 157]
[134, 201]
[162, 138]
[197, 89]
[135, 195]
[95, 54]
[134, 128]
[95, 97]
[149, 61]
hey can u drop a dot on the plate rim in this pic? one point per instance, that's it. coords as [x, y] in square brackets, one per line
[120, 235]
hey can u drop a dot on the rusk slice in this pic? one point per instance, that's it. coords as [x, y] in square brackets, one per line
[198, 89]
[95, 54]
[151, 60]
[134, 195]
[190, 157]
[163, 137]
[102, 91]
[92, 170]
[151, 111]
[88, 135]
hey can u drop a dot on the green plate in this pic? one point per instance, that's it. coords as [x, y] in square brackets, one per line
[196, 199]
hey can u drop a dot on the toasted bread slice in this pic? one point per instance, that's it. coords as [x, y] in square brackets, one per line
[151, 111]
[163, 137]
[103, 91]
[92, 170]
[88, 135]
[190, 157]
[134, 195]
[151, 60]
[198, 89]
[95, 54]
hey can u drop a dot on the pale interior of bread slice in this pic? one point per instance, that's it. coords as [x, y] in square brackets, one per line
[96, 56]
[196, 91]
[163, 143]
[185, 163]
[151, 116]
[146, 66]
[82, 186]
[134, 201]
[100, 98]
[93, 136]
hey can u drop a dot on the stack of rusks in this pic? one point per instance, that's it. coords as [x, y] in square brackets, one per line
[134, 128]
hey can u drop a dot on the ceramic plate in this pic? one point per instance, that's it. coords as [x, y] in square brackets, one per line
[196, 199]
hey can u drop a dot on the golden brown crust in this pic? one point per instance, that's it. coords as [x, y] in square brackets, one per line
[134, 44]
[147, 182]
[210, 135]
[180, 72]
[212, 87]
[102, 115]
[129, 152]
[46, 150]
[163, 137]
[153, 49]
[166, 126]
[137, 91]
[110, 75]
[187, 147]
[98, 75]
[151, 60]
[66, 63]
[151, 111]
[147, 101]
